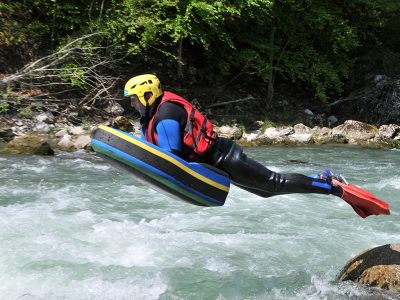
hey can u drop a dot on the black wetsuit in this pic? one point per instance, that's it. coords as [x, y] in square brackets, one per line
[243, 171]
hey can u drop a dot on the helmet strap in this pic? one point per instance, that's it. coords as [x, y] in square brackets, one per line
[144, 120]
[149, 112]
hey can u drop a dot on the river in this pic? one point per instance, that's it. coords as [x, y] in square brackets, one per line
[74, 227]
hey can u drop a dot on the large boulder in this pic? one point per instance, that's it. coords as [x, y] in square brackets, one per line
[356, 132]
[377, 267]
[29, 144]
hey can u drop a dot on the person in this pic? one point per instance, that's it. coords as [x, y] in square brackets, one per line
[172, 123]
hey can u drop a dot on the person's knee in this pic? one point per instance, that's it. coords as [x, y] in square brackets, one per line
[221, 150]
[234, 154]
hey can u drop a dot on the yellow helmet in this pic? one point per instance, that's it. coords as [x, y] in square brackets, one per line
[141, 85]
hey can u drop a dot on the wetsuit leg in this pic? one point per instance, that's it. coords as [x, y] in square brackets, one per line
[254, 177]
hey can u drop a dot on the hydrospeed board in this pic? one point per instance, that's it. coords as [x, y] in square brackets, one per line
[196, 183]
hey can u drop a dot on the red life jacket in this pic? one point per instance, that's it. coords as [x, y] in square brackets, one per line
[198, 134]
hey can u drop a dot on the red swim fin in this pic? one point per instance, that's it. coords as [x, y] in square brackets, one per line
[363, 202]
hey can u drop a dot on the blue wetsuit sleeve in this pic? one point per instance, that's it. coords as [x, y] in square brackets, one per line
[169, 135]
[142, 134]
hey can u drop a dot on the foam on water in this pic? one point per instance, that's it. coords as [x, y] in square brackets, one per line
[73, 227]
[393, 182]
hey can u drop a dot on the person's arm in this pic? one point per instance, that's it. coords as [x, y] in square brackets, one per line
[169, 135]
[169, 123]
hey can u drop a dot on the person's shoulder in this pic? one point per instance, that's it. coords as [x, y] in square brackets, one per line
[169, 105]
[170, 110]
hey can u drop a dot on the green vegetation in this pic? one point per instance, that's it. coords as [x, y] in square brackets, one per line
[26, 112]
[310, 44]
[4, 106]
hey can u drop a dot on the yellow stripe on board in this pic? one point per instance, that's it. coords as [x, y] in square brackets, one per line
[165, 156]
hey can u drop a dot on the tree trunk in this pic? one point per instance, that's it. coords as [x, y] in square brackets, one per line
[270, 91]
[180, 60]
[101, 9]
[53, 26]
[90, 10]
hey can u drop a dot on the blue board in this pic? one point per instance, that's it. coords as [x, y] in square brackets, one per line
[196, 183]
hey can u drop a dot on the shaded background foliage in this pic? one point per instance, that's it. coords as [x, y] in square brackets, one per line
[266, 45]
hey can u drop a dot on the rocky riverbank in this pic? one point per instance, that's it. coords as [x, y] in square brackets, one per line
[350, 132]
[45, 135]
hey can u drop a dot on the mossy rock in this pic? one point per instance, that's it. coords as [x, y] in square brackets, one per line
[122, 123]
[28, 144]
[377, 267]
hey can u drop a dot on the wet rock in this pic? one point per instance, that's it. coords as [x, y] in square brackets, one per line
[29, 144]
[122, 123]
[377, 267]
[356, 132]
[231, 132]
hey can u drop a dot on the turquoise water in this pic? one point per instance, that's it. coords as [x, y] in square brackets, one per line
[74, 227]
